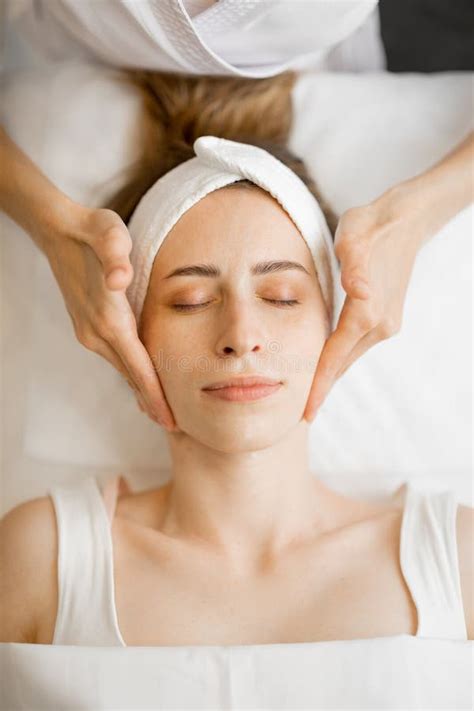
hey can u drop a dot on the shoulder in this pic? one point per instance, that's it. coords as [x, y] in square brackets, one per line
[465, 546]
[144, 508]
[28, 565]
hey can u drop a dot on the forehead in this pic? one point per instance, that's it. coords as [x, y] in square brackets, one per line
[238, 224]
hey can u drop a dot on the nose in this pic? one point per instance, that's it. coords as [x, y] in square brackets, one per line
[241, 332]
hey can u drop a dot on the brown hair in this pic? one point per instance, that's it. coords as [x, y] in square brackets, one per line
[178, 108]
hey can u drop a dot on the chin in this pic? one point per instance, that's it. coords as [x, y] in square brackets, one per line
[243, 433]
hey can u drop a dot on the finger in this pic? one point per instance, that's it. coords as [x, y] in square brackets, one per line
[119, 278]
[122, 338]
[142, 405]
[334, 355]
[113, 249]
[105, 350]
[370, 339]
[140, 402]
[135, 356]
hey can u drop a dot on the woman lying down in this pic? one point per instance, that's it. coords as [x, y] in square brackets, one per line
[234, 293]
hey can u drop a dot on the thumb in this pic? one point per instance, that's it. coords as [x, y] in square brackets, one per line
[355, 269]
[113, 249]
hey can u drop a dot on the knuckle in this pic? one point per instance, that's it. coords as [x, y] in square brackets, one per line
[350, 274]
[367, 323]
[104, 322]
[105, 239]
[117, 235]
[351, 243]
[345, 234]
[107, 329]
[389, 327]
[369, 319]
[86, 338]
[352, 213]
[110, 245]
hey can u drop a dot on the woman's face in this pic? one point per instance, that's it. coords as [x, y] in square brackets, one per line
[200, 329]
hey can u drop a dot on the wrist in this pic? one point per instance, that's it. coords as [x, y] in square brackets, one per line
[426, 202]
[56, 220]
[443, 190]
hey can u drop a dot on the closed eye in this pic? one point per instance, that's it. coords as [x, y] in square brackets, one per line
[189, 307]
[279, 302]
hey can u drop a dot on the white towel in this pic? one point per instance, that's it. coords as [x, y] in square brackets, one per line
[218, 162]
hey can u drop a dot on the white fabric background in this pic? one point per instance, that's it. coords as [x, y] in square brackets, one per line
[402, 412]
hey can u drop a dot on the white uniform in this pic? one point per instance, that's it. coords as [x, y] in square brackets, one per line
[251, 38]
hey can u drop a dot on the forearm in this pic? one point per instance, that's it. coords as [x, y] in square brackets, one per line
[28, 196]
[439, 193]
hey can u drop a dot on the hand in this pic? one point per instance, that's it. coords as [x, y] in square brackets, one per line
[90, 260]
[376, 246]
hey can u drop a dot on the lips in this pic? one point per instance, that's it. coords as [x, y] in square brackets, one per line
[243, 389]
[242, 382]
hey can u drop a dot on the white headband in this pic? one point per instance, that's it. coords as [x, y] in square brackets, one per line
[218, 162]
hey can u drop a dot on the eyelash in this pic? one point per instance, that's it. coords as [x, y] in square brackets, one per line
[192, 307]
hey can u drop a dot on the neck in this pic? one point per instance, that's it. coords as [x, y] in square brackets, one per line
[249, 506]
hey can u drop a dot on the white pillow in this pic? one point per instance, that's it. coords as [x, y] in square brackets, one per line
[400, 413]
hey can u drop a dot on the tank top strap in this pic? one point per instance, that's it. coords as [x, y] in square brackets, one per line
[429, 562]
[86, 609]
[115, 486]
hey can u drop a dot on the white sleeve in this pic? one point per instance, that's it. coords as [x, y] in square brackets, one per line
[194, 7]
[362, 51]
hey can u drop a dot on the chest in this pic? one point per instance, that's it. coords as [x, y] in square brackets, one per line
[346, 589]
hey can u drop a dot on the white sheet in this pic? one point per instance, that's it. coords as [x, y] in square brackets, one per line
[402, 412]
[400, 672]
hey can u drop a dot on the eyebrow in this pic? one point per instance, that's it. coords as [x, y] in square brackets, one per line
[209, 270]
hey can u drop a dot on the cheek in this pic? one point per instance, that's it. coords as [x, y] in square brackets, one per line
[166, 334]
[301, 346]
[173, 351]
[307, 329]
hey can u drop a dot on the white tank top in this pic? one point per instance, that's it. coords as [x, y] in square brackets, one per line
[86, 607]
